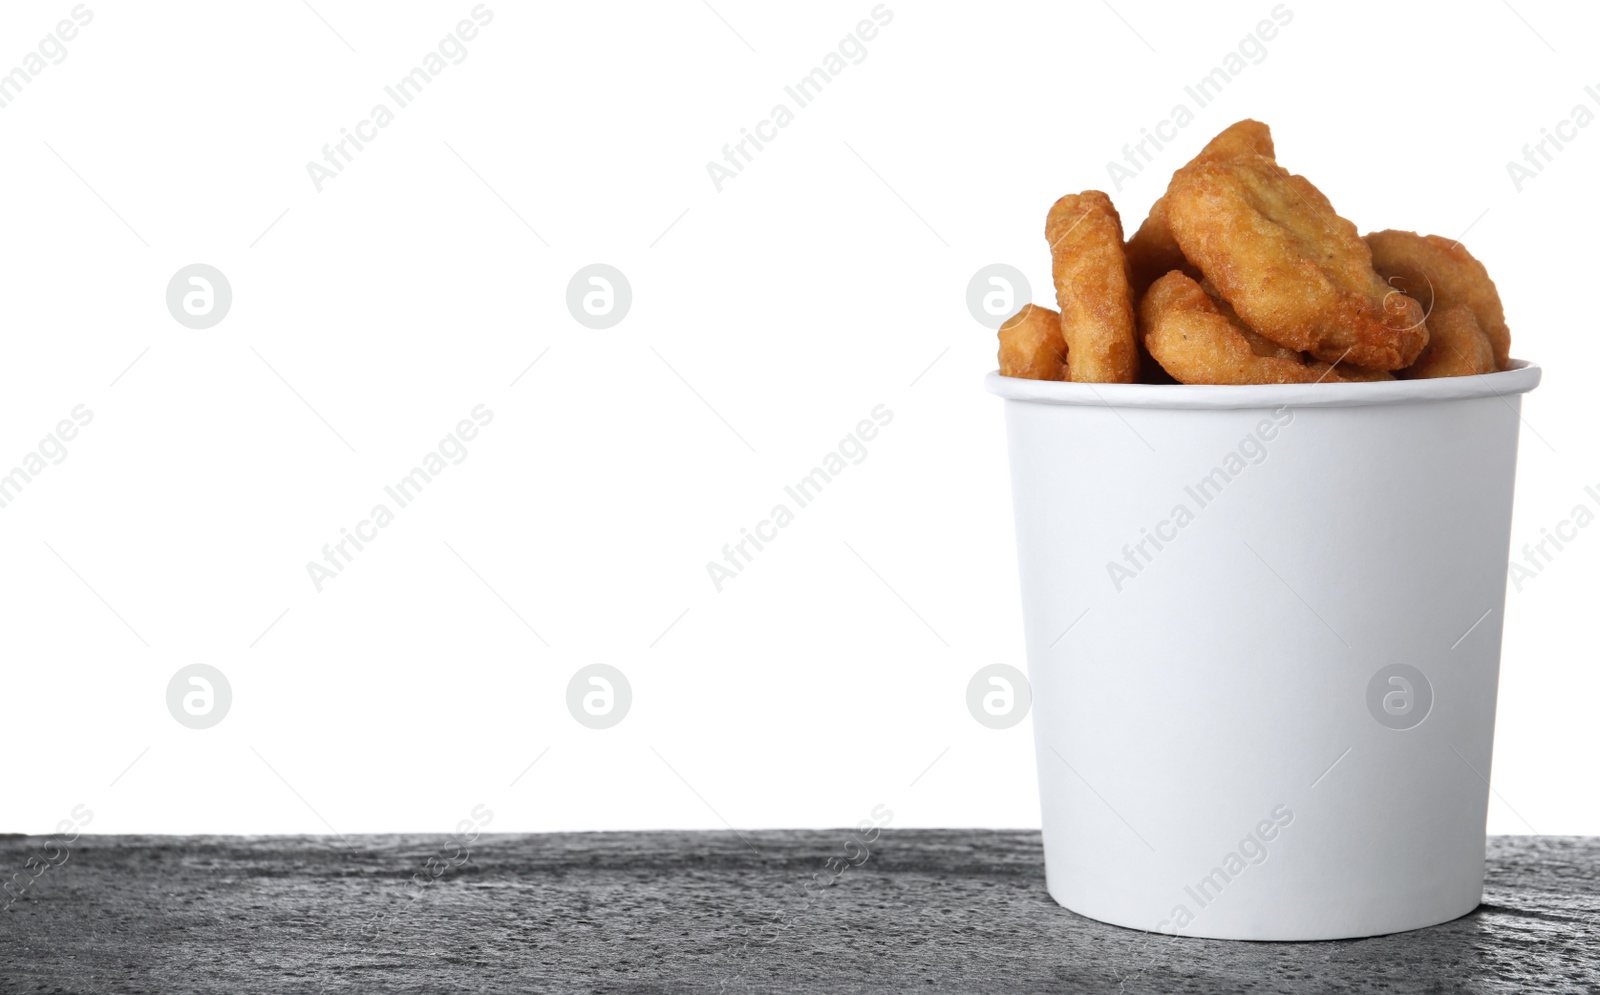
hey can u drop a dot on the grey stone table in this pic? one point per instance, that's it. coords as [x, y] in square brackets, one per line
[937, 911]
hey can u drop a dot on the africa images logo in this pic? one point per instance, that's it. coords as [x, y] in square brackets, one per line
[1252, 451]
[1205, 90]
[1251, 851]
[737, 155]
[451, 51]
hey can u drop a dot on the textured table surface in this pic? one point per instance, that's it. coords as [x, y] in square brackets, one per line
[938, 911]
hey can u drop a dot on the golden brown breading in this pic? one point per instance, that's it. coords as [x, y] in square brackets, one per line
[1031, 345]
[1091, 277]
[1441, 273]
[1457, 346]
[1259, 344]
[1152, 251]
[1292, 268]
[1347, 372]
[1199, 340]
[1247, 137]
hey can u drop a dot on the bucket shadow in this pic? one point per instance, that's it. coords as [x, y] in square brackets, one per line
[1494, 948]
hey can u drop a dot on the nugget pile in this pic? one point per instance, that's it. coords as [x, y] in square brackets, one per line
[1243, 273]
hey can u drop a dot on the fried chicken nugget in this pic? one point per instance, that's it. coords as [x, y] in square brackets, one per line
[1291, 267]
[1457, 346]
[1092, 290]
[1442, 274]
[1152, 251]
[1200, 341]
[1031, 345]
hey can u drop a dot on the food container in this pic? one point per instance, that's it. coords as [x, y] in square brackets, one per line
[1263, 636]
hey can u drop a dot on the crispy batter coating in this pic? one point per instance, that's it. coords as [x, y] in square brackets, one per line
[1200, 340]
[1091, 277]
[1347, 372]
[1259, 344]
[1031, 345]
[1442, 274]
[1247, 137]
[1291, 267]
[1152, 251]
[1457, 346]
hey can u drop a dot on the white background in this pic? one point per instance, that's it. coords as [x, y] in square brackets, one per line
[767, 321]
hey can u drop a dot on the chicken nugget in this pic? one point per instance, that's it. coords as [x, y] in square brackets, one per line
[1152, 251]
[1292, 268]
[1031, 345]
[1201, 341]
[1092, 290]
[1457, 346]
[1441, 273]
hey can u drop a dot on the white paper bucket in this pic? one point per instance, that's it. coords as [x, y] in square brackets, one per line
[1263, 634]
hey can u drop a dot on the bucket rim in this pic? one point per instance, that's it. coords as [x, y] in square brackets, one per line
[1519, 378]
